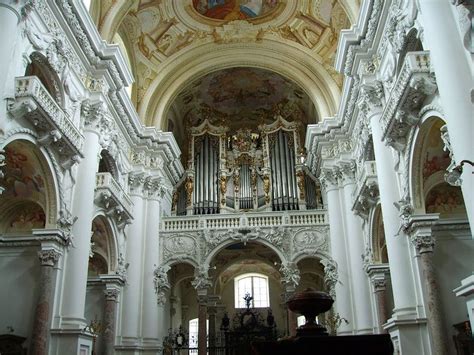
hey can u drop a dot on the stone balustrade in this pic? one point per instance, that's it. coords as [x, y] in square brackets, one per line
[244, 220]
[110, 195]
[33, 101]
[414, 83]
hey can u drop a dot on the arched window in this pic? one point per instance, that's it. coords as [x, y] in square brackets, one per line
[254, 284]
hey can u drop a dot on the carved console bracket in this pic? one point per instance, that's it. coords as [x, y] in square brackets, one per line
[414, 84]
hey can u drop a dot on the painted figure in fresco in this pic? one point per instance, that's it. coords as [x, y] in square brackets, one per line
[234, 9]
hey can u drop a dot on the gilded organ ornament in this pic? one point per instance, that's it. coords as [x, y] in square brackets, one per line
[189, 190]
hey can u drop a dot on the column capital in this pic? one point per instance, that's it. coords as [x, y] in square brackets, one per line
[379, 284]
[155, 187]
[421, 233]
[111, 294]
[52, 238]
[202, 281]
[371, 97]
[347, 171]
[97, 119]
[136, 182]
[329, 178]
[48, 257]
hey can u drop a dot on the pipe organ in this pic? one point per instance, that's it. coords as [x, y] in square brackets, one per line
[245, 170]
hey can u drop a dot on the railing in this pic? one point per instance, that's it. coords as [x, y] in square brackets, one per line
[416, 65]
[54, 118]
[251, 219]
[105, 181]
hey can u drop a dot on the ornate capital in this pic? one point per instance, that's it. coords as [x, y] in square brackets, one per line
[97, 118]
[420, 229]
[424, 243]
[348, 170]
[329, 178]
[290, 275]
[111, 294]
[379, 284]
[202, 280]
[370, 97]
[155, 187]
[48, 257]
[136, 182]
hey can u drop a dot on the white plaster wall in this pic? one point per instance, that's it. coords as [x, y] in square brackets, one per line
[453, 261]
[94, 309]
[19, 291]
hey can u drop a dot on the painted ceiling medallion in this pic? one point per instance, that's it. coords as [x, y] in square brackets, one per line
[229, 10]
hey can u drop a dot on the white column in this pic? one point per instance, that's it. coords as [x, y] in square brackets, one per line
[453, 68]
[9, 20]
[132, 307]
[75, 276]
[397, 242]
[338, 251]
[360, 283]
[150, 303]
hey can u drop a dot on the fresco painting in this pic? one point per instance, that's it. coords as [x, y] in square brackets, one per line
[229, 10]
[446, 200]
[27, 218]
[435, 158]
[23, 178]
[245, 96]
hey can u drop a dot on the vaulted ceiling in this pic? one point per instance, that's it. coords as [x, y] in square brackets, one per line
[237, 58]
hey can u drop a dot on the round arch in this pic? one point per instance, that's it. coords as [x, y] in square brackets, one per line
[35, 174]
[111, 235]
[210, 256]
[418, 161]
[297, 65]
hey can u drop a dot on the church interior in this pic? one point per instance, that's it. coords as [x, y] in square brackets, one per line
[172, 173]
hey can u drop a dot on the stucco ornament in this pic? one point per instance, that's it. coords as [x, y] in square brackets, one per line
[122, 267]
[406, 210]
[179, 245]
[2, 164]
[310, 240]
[330, 276]
[161, 283]
[202, 280]
[290, 275]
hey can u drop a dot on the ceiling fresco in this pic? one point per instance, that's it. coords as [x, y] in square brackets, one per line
[229, 10]
[155, 31]
[244, 96]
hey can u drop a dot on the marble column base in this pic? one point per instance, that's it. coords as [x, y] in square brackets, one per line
[68, 341]
[409, 334]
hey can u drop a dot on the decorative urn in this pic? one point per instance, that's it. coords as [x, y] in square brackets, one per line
[310, 303]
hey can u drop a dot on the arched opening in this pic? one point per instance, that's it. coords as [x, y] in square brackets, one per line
[40, 67]
[431, 194]
[102, 261]
[29, 199]
[107, 164]
[27, 203]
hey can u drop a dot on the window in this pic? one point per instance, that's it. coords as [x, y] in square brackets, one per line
[301, 320]
[194, 330]
[254, 284]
